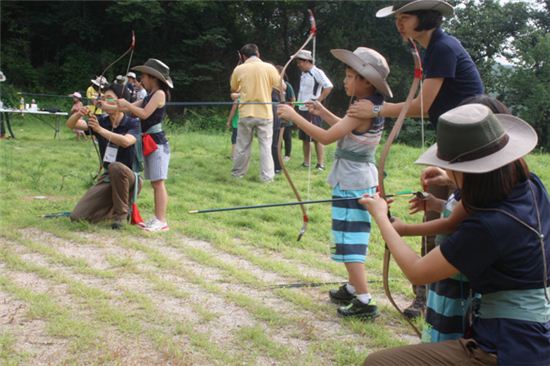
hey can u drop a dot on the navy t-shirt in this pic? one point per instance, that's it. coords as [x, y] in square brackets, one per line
[155, 118]
[497, 253]
[128, 125]
[446, 58]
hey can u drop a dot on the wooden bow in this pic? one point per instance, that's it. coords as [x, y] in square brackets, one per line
[312, 34]
[382, 163]
[101, 76]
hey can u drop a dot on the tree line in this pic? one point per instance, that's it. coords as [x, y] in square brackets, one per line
[58, 46]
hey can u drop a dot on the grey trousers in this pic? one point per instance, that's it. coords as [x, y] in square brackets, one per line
[107, 200]
[245, 134]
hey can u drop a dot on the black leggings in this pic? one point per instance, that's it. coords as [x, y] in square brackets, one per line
[287, 139]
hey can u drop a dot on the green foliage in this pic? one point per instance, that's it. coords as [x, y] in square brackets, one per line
[208, 120]
[57, 47]
[531, 78]
[499, 22]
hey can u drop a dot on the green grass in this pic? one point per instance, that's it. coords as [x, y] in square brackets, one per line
[39, 175]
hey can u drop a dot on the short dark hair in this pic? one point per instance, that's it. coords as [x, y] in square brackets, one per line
[427, 19]
[485, 189]
[119, 90]
[495, 105]
[249, 50]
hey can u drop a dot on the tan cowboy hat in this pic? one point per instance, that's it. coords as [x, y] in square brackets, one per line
[304, 55]
[369, 64]
[441, 6]
[157, 69]
[472, 139]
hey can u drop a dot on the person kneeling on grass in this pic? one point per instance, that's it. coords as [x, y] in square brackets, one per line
[502, 246]
[353, 173]
[116, 135]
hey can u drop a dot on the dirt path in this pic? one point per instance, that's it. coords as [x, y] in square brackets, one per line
[165, 300]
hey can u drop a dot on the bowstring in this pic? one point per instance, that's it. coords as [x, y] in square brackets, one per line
[422, 114]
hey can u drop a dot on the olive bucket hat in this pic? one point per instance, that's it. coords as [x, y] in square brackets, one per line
[471, 139]
[157, 69]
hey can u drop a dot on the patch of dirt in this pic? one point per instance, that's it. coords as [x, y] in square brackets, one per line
[41, 348]
[211, 313]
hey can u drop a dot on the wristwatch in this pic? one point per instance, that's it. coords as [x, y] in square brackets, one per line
[376, 110]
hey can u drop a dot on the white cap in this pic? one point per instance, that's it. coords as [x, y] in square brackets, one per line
[76, 95]
[131, 75]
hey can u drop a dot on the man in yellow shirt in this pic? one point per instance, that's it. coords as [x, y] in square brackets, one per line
[254, 80]
[91, 94]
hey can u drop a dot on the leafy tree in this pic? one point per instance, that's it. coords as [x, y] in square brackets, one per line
[52, 46]
[486, 29]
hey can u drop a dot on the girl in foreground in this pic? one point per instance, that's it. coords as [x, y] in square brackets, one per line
[502, 246]
[156, 150]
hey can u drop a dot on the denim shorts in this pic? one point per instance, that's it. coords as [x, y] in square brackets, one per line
[156, 164]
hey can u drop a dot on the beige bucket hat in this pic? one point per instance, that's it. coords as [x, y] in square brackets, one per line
[100, 81]
[304, 55]
[441, 6]
[369, 64]
[471, 139]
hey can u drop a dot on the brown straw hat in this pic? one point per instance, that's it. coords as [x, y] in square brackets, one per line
[471, 139]
[369, 64]
[441, 6]
[157, 69]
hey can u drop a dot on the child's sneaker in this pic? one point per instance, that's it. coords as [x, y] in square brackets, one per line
[341, 296]
[157, 225]
[360, 310]
[320, 167]
[144, 224]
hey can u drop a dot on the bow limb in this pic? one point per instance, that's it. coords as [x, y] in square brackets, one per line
[129, 50]
[382, 163]
[312, 33]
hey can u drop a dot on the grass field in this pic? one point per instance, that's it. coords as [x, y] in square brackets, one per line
[204, 293]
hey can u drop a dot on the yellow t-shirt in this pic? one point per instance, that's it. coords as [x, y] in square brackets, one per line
[91, 94]
[254, 80]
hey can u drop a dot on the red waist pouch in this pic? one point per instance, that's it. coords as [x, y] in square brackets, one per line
[149, 145]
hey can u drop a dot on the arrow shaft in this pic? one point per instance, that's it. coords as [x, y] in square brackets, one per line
[236, 208]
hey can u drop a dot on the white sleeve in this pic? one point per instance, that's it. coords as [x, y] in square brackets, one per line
[321, 78]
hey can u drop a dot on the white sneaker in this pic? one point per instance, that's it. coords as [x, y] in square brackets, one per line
[286, 158]
[144, 224]
[157, 225]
